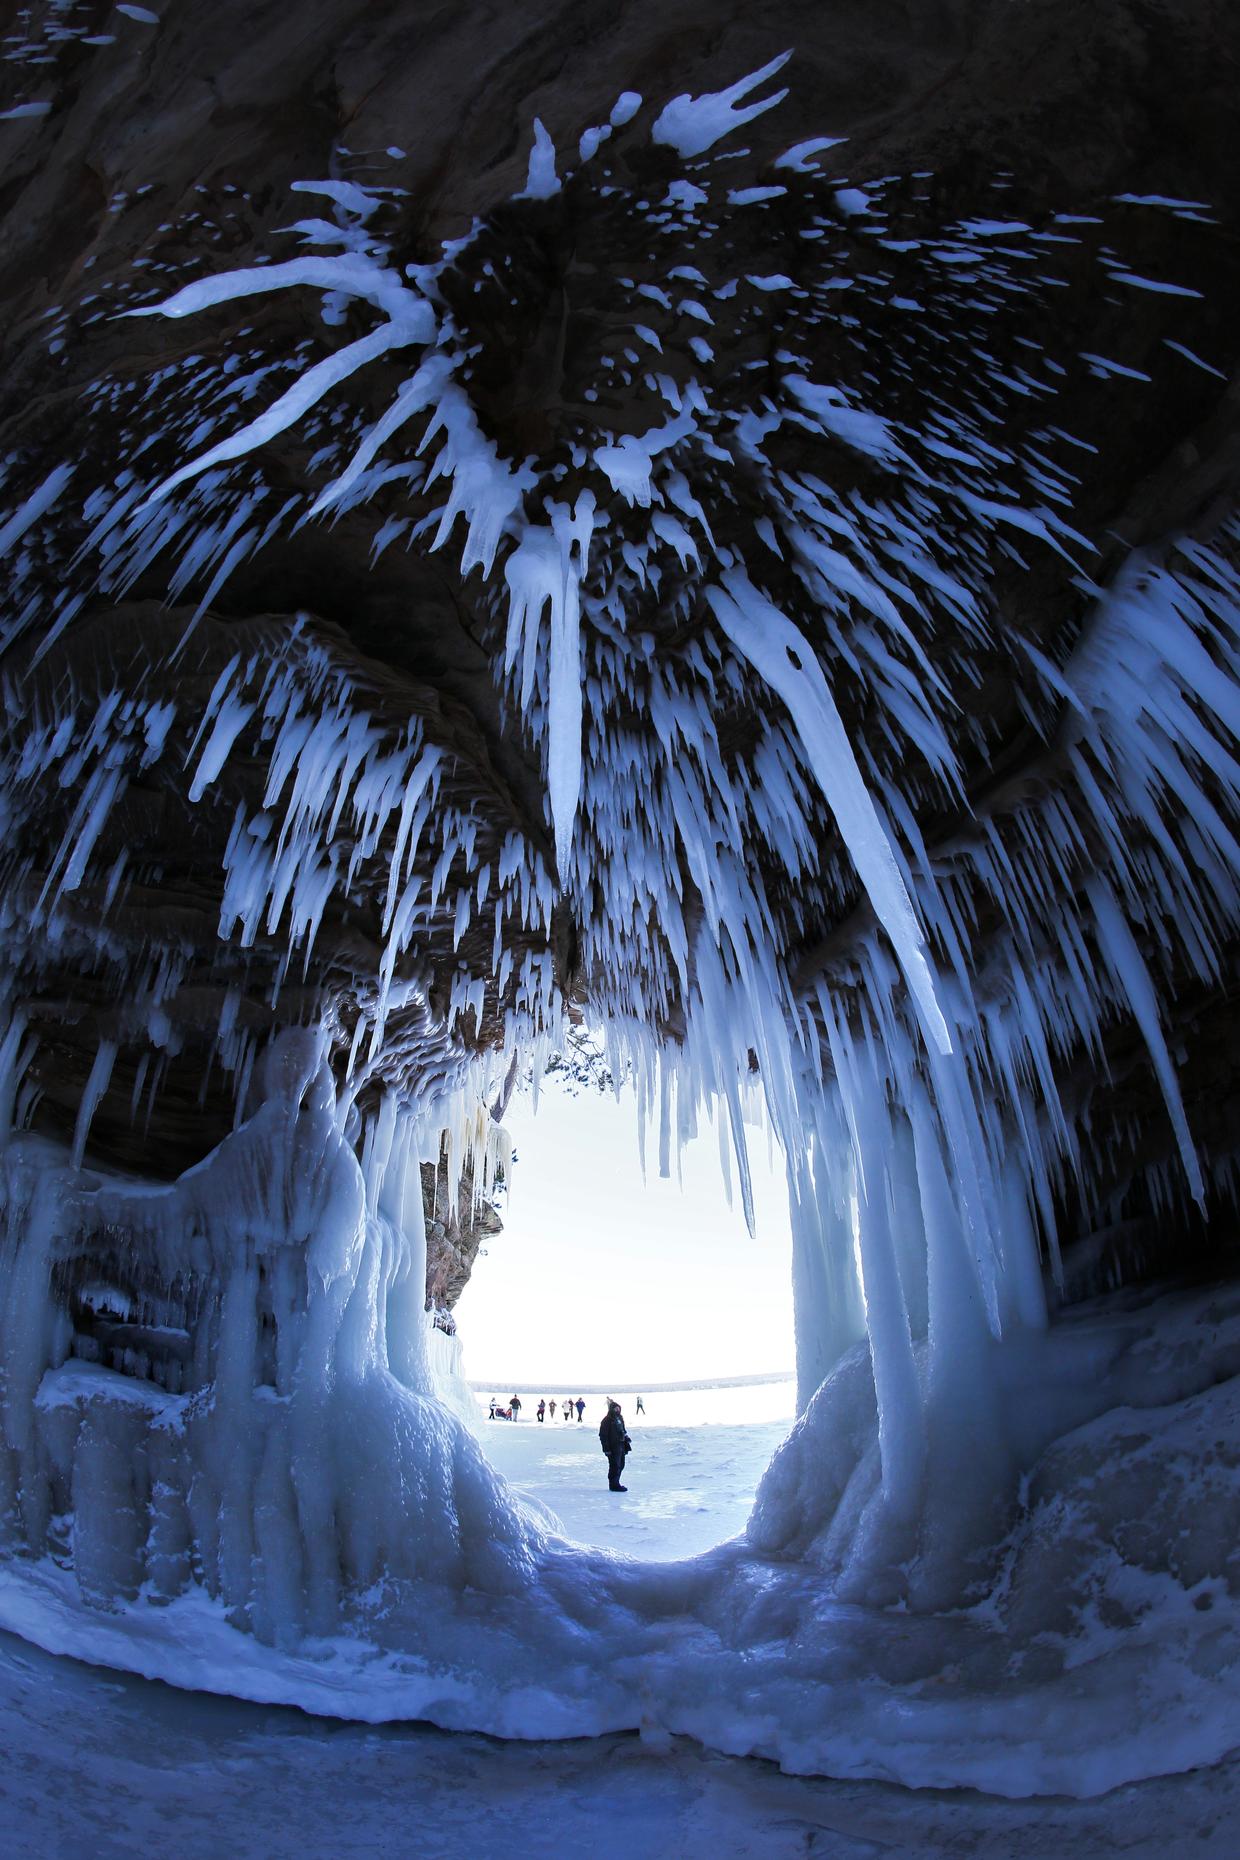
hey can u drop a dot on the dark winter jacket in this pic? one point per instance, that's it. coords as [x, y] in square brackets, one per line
[611, 1433]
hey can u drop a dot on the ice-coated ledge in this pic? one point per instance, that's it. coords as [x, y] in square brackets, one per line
[1096, 1598]
[75, 1382]
[928, 1704]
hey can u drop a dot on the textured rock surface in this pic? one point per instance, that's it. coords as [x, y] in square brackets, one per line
[455, 1232]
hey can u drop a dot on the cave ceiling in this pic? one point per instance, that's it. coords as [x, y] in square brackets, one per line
[929, 320]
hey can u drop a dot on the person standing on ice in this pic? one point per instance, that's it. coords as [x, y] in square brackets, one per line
[641, 1406]
[514, 1407]
[616, 1444]
[551, 1407]
[491, 1416]
[542, 1408]
[581, 1407]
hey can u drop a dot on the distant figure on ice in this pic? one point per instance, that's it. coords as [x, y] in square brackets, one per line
[542, 1408]
[641, 1406]
[568, 1407]
[581, 1407]
[616, 1444]
[514, 1407]
[491, 1416]
[551, 1406]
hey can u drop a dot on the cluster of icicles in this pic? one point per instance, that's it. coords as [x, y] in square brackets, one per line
[915, 1094]
[231, 1381]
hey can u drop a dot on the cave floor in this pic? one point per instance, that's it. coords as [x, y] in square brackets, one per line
[101, 1763]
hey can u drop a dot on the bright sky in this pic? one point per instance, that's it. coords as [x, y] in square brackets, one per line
[602, 1276]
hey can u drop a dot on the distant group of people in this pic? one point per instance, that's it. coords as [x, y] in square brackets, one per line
[568, 1407]
[613, 1434]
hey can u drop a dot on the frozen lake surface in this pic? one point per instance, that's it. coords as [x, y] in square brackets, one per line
[691, 1476]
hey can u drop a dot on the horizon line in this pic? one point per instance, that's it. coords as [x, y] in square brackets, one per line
[523, 1386]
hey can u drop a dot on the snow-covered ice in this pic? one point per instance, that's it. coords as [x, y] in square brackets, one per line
[106, 1764]
[697, 1459]
[835, 1635]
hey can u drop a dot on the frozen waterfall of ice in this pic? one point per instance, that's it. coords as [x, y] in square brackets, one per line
[266, 1489]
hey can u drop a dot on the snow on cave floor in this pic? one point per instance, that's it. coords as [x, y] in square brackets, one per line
[104, 1764]
[735, 1647]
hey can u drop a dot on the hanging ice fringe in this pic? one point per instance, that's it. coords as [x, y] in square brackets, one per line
[739, 741]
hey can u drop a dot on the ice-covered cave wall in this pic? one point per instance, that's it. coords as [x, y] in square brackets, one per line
[612, 521]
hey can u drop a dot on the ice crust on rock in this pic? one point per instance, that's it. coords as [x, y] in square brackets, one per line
[274, 1448]
[541, 181]
[691, 125]
[291, 1448]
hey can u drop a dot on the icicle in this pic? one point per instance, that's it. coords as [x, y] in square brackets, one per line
[96, 1085]
[1119, 947]
[16, 1052]
[776, 650]
[900, 1425]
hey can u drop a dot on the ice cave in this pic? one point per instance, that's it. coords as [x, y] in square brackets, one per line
[709, 532]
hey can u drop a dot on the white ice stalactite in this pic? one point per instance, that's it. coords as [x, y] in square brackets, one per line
[305, 394]
[17, 1049]
[541, 181]
[1119, 947]
[545, 572]
[96, 1085]
[828, 1311]
[784, 658]
[32, 508]
[691, 125]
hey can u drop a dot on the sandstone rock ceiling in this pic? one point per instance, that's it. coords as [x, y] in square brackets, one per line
[960, 266]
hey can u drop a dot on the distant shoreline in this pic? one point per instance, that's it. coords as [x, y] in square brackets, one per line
[631, 1388]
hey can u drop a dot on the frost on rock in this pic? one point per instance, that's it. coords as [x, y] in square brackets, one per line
[691, 125]
[697, 619]
[541, 181]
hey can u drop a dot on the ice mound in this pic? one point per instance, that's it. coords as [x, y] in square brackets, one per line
[226, 1384]
[1094, 1639]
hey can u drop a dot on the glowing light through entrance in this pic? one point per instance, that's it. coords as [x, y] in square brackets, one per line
[601, 1274]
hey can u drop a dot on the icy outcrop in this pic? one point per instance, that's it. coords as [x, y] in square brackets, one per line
[1096, 1597]
[786, 617]
[229, 1382]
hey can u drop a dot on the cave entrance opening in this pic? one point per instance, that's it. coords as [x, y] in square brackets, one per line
[607, 1281]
